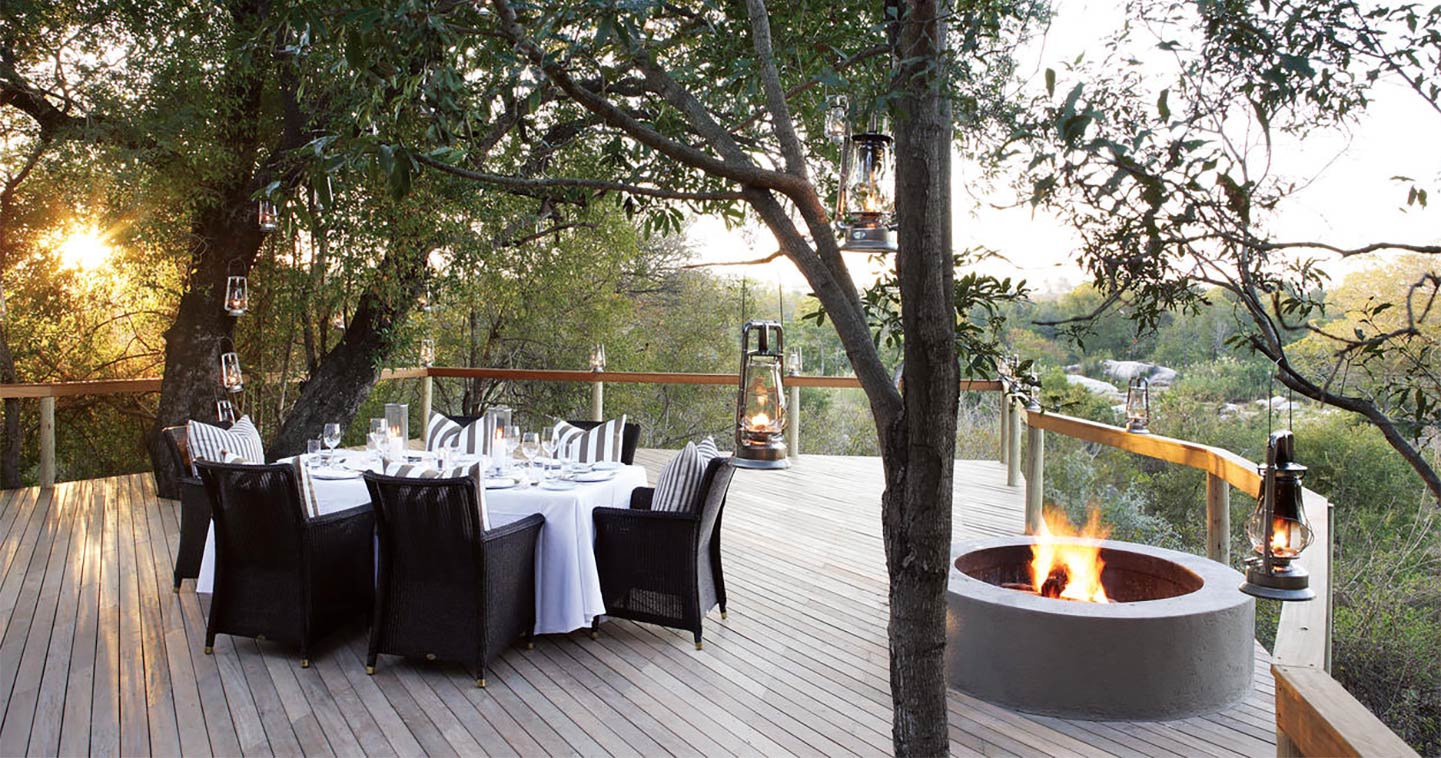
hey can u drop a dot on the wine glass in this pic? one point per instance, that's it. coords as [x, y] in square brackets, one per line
[530, 448]
[551, 442]
[331, 436]
[512, 441]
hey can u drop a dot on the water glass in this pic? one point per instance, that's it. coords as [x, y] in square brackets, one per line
[312, 450]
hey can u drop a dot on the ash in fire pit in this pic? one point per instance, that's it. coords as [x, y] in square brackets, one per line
[1166, 634]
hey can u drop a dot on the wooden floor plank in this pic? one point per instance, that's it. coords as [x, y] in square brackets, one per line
[800, 667]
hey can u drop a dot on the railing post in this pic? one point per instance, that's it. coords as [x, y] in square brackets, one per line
[1005, 427]
[427, 387]
[793, 423]
[47, 442]
[1035, 476]
[1013, 446]
[597, 400]
[1218, 519]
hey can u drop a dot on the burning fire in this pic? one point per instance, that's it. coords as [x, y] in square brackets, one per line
[1281, 539]
[1067, 570]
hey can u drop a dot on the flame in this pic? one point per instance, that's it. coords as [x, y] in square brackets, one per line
[1067, 570]
[761, 423]
[1281, 538]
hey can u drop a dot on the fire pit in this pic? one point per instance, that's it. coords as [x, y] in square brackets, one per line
[1172, 637]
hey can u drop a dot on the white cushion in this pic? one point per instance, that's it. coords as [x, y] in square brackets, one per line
[603, 443]
[680, 480]
[211, 443]
[476, 471]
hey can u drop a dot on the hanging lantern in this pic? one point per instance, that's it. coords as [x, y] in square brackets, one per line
[866, 205]
[1138, 405]
[1278, 528]
[423, 301]
[427, 352]
[837, 125]
[793, 362]
[230, 377]
[267, 217]
[3, 311]
[237, 295]
[761, 402]
[597, 357]
[225, 411]
[338, 320]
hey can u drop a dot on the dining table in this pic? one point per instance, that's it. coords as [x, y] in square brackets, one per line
[567, 583]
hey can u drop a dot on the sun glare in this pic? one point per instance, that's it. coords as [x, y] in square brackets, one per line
[86, 249]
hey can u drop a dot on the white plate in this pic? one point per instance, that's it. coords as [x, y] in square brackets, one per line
[557, 484]
[607, 466]
[595, 476]
[500, 483]
[334, 473]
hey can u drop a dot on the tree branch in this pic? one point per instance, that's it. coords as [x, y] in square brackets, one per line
[537, 186]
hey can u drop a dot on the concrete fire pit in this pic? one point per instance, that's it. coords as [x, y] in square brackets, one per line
[1178, 643]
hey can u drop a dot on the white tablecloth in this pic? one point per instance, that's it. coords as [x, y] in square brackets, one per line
[567, 585]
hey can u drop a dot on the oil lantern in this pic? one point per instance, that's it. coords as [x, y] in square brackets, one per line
[1138, 405]
[597, 357]
[230, 377]
[866, 203]
[237, 295]
[427, 352]
[267, 217]
[761, 403]
[1278, 528]
[225, 411]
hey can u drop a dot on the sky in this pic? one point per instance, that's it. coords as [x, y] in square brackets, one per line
[1351, 199]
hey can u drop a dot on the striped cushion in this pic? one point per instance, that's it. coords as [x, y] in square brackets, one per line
[440, 432]
[211, 443]
[476, 471]
[679, 485]
[602, 443]
[475, 438]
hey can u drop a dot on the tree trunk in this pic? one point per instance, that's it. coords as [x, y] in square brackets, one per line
[191, 383]
[919, 449]
[346, 374]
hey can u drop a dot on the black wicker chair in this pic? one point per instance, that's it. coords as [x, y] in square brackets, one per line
[194, 506]
[664, 567]
[278, 574]
[448, 590]
[630, 437]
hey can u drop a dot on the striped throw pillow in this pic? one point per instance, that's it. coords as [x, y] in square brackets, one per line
[678, 487]
[440, 432]
[475, 438]
[602, 443]
[476, 471]
[211, 443]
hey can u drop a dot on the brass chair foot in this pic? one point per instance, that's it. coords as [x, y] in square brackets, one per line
[209, 650]
[370, 671]
[480, 683]
[699, 645]
[723, 614]
[175, 589]
[529, 645]
[305, 663]
[594, 635]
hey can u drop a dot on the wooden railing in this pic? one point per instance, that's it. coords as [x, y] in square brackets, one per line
[1314, 713]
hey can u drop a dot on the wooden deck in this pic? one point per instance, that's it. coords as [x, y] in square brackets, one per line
[98, 656]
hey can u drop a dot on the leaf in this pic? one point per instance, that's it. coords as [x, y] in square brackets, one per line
[1051, 82]
[1161, 106]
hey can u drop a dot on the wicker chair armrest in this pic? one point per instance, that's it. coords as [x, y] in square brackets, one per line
[530, 523]
[643, 516]
[641, 498]
[359, 511]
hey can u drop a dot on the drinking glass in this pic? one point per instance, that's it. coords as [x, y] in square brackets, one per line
[550, 442]
[530, 448]
[331, 436]
[512, 441]
[312, 449]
